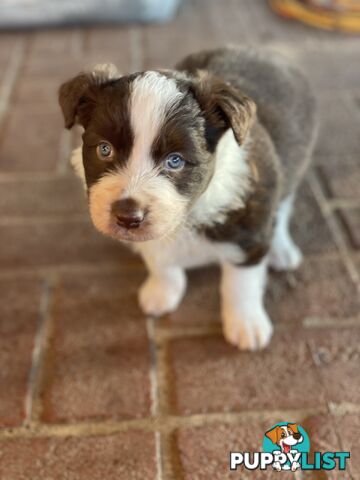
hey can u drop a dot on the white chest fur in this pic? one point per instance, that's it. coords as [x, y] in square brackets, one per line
[188, 249]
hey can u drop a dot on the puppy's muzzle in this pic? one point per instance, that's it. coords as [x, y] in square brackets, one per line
[127, 213]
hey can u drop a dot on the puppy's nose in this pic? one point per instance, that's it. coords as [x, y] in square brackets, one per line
[127, 213]
[297, 435]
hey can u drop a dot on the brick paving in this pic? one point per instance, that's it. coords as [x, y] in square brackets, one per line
[89, 388]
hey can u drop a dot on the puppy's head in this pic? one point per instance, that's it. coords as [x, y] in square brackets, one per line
[148, 144]
[285, 436]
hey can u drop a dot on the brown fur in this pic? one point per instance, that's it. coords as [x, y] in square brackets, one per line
[251, 227]
[281, 143]
[285, 103]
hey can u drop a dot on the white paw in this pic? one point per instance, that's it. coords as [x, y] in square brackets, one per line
[160, 295]
[285, 256]
[277, 466]
[247, 331]
[295, 466]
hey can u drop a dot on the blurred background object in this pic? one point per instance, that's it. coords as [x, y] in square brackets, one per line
[328, 14]
[36, 13]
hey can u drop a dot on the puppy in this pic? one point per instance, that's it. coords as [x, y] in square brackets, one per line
[198, 165]
[285, 437]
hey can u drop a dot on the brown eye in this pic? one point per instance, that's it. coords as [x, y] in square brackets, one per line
[104, 151]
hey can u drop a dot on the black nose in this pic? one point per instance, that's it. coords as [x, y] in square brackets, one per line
[297, 436]
[127, 213]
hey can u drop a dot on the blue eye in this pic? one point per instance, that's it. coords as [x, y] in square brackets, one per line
[174, 161]
[104, 150]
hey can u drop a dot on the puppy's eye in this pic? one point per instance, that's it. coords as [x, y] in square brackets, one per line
[174, 161]
[283, 435]
[104, 151]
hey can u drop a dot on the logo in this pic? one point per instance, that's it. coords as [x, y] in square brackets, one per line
[286, 441]
[286, 446]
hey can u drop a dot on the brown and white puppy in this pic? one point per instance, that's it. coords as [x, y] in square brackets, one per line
[196, 165]
[286, 437]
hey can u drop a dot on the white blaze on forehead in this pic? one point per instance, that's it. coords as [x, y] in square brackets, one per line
[152, 96]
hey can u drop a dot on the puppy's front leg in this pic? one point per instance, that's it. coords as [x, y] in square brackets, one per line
[245, 322]
[163, 290]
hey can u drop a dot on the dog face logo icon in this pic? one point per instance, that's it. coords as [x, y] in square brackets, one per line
[285, 436]
[286, 441]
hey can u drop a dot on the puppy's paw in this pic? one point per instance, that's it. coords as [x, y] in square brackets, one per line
[247, 331]
[285, 256]
[160, 295]
[295, 466]
[277, 466]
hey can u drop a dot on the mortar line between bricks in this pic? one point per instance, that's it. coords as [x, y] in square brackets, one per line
[162, 462]
[335, 230]
[323, 322]
[170, 458]
[153, 370]
[171, 461]
[337, 203]
[10, 77]
[165, 424]
[89, 268]
[40, 343]
[158, 456]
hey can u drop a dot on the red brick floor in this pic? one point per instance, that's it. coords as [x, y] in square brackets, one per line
[89, 388]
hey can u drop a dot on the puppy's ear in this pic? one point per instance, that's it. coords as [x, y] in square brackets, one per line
[79, 93]
[294, 427]
[224, 106]
[274, 434]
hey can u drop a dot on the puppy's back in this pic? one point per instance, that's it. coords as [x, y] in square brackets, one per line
[284, 99]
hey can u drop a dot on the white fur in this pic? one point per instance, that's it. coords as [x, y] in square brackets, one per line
[245, 321]
[152, 96]
[186, 249]
[105, 71]
[76, 162]
[284, 254]
[229, 184]
[166, 258]
[162, 291]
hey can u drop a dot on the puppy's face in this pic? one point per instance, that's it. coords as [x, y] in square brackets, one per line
[285, 436]
[148, 146]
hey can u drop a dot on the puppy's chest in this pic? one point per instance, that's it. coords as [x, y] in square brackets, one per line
[189, 249]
